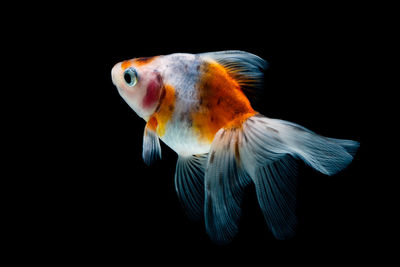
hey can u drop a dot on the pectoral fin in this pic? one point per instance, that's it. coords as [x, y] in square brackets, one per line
[151, 143]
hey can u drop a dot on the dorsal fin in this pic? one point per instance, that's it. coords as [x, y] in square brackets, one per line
[246, 68]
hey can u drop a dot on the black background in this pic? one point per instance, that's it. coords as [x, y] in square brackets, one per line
[90, 195]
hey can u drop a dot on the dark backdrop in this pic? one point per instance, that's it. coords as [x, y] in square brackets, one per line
[95, 197]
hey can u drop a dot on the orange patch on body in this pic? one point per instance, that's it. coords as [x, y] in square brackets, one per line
[143, 60]
[165, 110]
[126, 64]
[221, 104]
[152, 124]
[237, 123]
[137, 62]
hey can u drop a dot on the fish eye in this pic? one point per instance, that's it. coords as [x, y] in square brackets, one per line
[130, 77]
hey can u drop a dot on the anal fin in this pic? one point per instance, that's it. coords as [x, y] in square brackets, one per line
[189, 184]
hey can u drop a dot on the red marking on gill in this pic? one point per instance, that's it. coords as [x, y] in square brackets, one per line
[152, 94]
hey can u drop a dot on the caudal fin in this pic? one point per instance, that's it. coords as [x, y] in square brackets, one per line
[268, 152]
[264, 151]
[326, 155]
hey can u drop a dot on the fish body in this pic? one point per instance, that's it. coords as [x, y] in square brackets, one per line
[197, 104]
[198, 99]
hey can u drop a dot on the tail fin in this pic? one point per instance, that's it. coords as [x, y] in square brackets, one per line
[264, 150]
[326, 155]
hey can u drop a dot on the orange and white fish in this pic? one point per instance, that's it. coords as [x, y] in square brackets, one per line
[197, 105]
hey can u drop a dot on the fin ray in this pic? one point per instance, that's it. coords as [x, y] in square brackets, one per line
[246, 68]
[276, 192]
[326, 155]
[269, 153]
[225, 180]
[189, 184]
[151, 146]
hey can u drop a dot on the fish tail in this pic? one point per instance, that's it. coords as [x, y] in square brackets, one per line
[326, 155]
[264, 151]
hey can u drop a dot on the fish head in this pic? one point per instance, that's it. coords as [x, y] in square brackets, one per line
[139, 83]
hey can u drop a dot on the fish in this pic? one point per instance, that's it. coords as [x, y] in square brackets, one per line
[198, 105]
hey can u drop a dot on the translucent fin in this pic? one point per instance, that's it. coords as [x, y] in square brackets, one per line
[189, 184]
[268, 151]
[276, 192]
[265, 151]
[246, 68]
[151, 146]
[224, 183]
[326, 155]
[349, 145]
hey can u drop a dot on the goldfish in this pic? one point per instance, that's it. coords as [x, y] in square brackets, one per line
[198, 105]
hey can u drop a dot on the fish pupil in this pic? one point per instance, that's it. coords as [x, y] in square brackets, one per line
[127, 78]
